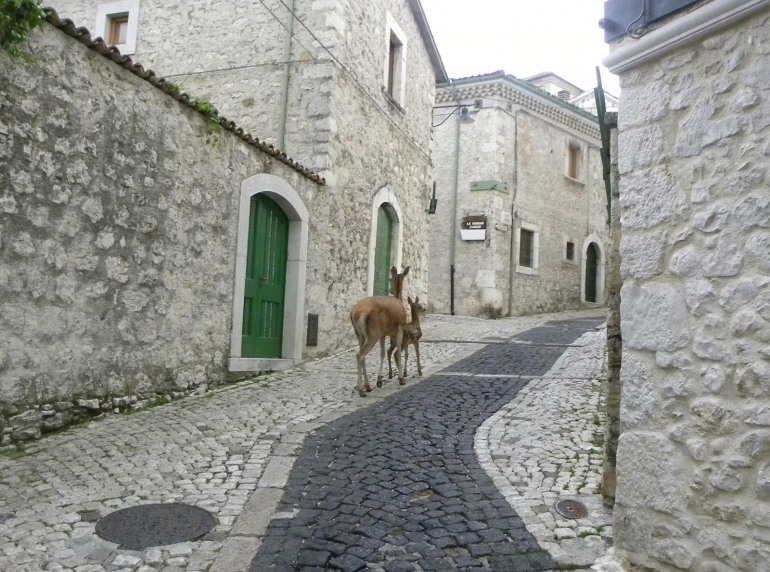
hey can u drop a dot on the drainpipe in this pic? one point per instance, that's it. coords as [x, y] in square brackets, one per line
[512, 266]
[453, 228]
[285, 79]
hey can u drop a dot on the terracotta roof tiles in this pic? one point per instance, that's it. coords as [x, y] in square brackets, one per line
[99, 46]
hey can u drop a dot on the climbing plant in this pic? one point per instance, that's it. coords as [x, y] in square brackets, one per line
[207, 109]
[17, 19]
[203, 106]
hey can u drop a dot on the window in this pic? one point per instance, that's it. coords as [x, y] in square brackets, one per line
[395, 62]
[528, 249]
[569, 254]
[117, 24]
[118, 30]
[573, 161]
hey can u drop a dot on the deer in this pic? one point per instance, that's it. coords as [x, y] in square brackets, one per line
[412, 335]
[375, 318]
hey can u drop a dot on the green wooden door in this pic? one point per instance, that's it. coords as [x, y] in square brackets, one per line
[382, 252]
[592, 262]
[263, 303]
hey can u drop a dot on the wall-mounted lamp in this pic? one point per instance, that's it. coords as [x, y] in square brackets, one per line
[433, 201]
[465, 115]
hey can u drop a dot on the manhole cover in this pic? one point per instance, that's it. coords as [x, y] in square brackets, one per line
[138, 527]
[571, 509]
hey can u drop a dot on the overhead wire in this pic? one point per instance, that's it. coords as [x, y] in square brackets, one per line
[355, 80]
[232, 68]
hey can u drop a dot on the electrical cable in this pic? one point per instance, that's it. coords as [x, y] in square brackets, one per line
[356, 81]
[233, 68]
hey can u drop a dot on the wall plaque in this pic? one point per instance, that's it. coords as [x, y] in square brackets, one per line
[473, 227]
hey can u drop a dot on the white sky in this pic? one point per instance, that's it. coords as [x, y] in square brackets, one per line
[522, 37]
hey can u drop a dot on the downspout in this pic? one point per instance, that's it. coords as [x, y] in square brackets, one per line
[453, 228]
[285, 79]
[512, 266]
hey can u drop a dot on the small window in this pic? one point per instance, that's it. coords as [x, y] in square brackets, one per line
[117, 23]
[569, 254]
[394, 65]
[573, 161]
[395, 62]
[526, 248]
[118, 29]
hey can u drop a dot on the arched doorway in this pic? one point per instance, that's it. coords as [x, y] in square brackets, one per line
[275, 209]
[386, 235]
[591, 273]
[265, 287]
[383, 251]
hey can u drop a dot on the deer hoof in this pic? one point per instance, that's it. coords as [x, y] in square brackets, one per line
[368, 388]
[379, 382]
[402, 381]
[362, 393]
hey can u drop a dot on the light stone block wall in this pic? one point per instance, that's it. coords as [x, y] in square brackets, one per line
[117, 240]
[339, 122]
[693, 463]
[541, 195]
[559, 207]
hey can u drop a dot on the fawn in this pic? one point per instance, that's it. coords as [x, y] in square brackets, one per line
[412, 335]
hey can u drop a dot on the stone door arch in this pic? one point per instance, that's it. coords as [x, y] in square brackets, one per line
[385, 201]
[592, 271]
[289, 201]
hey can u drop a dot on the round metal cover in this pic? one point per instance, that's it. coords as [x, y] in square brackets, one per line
[138, 527]
[571, 509]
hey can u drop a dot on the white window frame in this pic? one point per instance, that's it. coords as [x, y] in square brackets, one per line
[533, 271]
[581, 160]
[574, 259]
[109, 10]
[399, 79]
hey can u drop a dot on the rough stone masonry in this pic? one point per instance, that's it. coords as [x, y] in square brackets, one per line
[693, 464]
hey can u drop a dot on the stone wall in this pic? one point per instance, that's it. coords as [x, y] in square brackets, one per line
[338, 121]
[693, 464]
[117, 240]
[514, 142]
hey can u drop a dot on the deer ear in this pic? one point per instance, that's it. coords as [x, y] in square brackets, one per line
[416, 299]
[409, 299]
[393, 270]
[406, 271]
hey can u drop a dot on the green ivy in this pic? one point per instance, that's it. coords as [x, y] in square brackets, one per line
[17, 19]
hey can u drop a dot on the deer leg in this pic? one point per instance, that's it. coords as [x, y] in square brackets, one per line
[363, 379]
[382, 361]
[417, 353]
[406, 357]
[399, 340]
[390, 353]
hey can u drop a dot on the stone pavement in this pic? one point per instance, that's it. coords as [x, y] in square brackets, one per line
[231, 450]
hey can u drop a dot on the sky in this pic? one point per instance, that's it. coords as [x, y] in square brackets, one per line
[522, 37]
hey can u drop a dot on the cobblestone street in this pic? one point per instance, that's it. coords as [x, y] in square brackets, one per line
[459, 470]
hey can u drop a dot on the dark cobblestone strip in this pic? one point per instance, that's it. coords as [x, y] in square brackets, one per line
[397, 487]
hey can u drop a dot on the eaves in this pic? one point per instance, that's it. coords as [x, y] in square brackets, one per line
[522, 94]
[113, 54]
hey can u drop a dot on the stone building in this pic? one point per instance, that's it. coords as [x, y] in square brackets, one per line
[693, 460]
[569, 92]
[345, 89]
[521, 219]
[132, 251]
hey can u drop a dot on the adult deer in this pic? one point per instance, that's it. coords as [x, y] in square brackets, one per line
[412, 335]
[375, 318]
